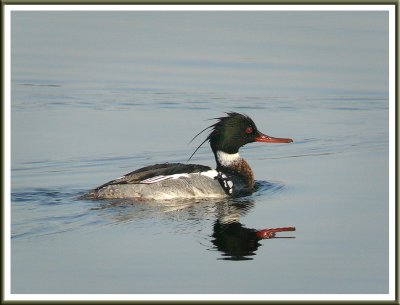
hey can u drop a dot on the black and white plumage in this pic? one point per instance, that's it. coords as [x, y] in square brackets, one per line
[163, 181]
[232, 176]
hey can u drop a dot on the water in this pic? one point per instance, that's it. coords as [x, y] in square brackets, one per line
[90, 105]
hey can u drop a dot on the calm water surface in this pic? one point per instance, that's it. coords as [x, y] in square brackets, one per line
[90, 105]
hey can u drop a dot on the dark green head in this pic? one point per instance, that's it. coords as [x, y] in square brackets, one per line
[233, 131]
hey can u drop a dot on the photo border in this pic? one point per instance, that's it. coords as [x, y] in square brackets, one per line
[390, 6]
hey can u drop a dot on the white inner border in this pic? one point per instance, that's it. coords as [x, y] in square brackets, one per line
[196, 297]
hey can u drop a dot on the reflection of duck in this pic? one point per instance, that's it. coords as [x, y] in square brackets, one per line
[237, 242]
[230, 237]
[233, 176]
[234, 241]
[186, 210]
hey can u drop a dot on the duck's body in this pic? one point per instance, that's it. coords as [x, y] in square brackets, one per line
[177, 180]
[163, 181]
[232, 176]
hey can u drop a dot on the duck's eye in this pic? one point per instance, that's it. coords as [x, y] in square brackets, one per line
[248, 130]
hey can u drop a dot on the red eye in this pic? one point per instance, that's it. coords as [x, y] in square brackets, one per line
[248, 130]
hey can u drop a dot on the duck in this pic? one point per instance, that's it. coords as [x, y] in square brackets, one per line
[232, 176]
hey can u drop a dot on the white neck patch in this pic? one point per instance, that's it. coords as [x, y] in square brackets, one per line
[226, 159]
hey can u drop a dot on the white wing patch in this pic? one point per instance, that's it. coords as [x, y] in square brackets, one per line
[210, 174]
[161, 178]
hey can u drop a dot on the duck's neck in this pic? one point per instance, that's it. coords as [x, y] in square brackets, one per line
[227, 160]
[235, 164]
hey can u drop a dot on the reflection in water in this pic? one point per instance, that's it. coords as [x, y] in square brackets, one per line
[230, 236]
[52, 212]
[237, 242]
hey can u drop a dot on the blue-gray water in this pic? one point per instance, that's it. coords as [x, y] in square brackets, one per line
[98, 94]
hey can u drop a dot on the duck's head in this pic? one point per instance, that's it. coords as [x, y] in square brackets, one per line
[233, 131]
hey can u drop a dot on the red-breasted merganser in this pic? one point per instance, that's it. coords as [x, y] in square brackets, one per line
[232, 176]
